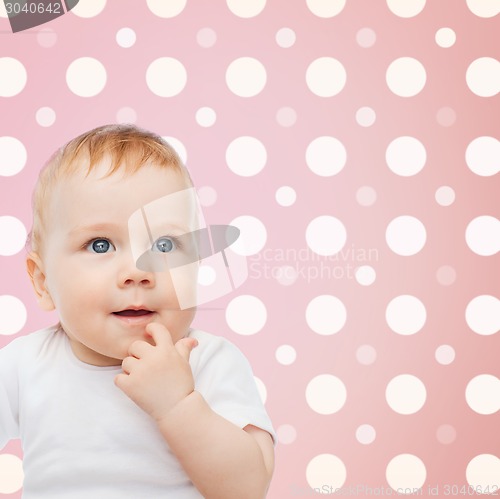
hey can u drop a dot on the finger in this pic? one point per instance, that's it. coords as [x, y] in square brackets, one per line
[185, 346]
[139, 349]
[159, 333]
[121, 381]
[128, 364]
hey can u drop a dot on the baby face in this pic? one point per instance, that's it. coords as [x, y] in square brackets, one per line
[97, 228]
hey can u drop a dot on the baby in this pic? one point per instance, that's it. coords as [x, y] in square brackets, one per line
[122, 399]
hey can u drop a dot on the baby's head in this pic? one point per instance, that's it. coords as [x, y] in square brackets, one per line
[103, 200]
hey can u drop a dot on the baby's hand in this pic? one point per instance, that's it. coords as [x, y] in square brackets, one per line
[157, 377]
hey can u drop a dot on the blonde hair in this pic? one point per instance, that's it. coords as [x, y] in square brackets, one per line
[128, 147]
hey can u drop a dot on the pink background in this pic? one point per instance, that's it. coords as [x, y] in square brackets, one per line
[446, 274]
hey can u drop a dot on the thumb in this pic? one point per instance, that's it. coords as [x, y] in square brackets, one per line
[184, 347]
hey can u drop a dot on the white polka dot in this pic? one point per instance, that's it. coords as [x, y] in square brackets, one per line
[89, 9]
[12, 157]
[405, 235]
[285, 196]
[246, 156]
[286, 116]
[326, 77]
[483, 394]
[166, 77]
[406, 156]
[253, 235]
[326, 394]
[405, 394]
[326, 235]
[246, 8]
[406, 474]
[86, 77]
[366, 195]
[205, 116]
[179, 147]
[483, 235]
[326, 8]
[445, 37]
[286, 434]
[446, 434]
[12, 475]
[3, 12]
[246, 315]
[246, 77]
[286, 275]
[206, 37]
[482, 473]
[483, 77]
[445, 354]
[168, 9]
[126, 37]
[45, 116]
[483, 315]
[206, 275]
[126, 115]
[484, 8]
[446, 275]
[366, 355]
[446, 116]
[365, 434]
[13, 314]
[326, 156]
[445, 195]
[326, 315]
[406, 8]
[365, 116]
[12, 235]
[285, 38]
[207, 195]
[365, 275]
[483, 156]
[261, 388]
[46, 37]
[405, 315]
[13, 77]
[366, 37]
[406, 77]
[325, 469]
[286, 355]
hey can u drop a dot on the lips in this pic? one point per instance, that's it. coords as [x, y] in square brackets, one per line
[133, 312]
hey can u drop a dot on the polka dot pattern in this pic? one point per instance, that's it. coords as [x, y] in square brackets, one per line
[357, 150]
[326, 394]
[406, 77]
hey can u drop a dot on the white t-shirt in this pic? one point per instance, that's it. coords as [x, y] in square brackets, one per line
[83, 437]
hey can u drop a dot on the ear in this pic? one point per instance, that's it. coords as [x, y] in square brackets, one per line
[34, 266]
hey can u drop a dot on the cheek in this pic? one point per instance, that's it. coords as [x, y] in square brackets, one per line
[178, 323]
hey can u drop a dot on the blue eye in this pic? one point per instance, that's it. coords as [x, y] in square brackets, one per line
[164, 245]
[99, 246]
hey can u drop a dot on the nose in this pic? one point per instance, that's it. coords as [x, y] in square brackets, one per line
[130, 275]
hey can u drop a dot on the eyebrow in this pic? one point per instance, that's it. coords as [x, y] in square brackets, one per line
[98, 227]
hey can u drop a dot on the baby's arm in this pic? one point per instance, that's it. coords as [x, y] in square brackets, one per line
[221, 459]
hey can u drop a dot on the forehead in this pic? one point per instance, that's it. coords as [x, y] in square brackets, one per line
[98, 198]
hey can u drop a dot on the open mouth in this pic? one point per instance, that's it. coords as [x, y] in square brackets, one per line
[132, 313]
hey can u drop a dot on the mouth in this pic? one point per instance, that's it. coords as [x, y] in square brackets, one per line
[129, 312]
[134, 316]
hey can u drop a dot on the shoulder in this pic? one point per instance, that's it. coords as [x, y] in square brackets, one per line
[29, 346]
[214, 348]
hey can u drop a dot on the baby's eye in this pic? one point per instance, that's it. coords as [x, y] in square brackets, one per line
[99, 246]
[164, 245]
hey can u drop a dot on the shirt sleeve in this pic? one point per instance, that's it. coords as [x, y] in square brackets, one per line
[9, 392]
[225, 379]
